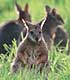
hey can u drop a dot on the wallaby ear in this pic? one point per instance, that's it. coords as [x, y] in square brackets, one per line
[18, 8]
[54, 12]
[48, 9]
[26, 8]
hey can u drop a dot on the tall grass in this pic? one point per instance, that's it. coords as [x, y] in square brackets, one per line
[59, 66]
[59, 62]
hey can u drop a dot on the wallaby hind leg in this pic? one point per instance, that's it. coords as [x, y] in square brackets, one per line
[17, 62]
[15, 65]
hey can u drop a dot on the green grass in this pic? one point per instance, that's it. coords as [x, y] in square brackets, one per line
[60, 63]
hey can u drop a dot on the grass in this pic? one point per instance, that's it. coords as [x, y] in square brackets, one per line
[60, 63]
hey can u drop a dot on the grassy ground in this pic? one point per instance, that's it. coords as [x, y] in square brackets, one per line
[60, 63]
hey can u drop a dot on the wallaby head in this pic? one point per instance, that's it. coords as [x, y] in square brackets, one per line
[52, 21]
[54, 13]
[34, 34]
[23, 14]
[32, 31]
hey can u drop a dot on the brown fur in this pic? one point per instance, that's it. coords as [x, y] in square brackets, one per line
[53, 20]
[60, 33]
[23, 14]
[13, 28]
[31, 50]
[57, 33]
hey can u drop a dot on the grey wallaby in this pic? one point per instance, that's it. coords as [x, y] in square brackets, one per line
[51, 27]
[12, 29]
[31, 50]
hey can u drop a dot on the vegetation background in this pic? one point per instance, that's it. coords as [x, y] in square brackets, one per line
[60, 63]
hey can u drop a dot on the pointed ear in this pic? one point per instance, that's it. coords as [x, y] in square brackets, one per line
[26, 8]
[48, 9]
[18, 8]
[54, 12]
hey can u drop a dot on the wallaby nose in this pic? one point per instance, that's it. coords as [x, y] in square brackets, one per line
[36, 39]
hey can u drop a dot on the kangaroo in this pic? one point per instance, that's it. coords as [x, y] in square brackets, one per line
[13, 28]
[23, 14]
[62, 36]
[51, 26]
[31, 51]
[61, 33]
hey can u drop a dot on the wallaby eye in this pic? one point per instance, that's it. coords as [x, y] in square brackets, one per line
[35, 27]
[40, 32]
[31, 32]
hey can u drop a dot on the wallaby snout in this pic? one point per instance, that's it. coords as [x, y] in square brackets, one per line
[35, 35]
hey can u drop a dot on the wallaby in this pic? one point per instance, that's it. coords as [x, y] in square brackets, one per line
[12, 29]
[23, 14]
[32, 50]
[51, 26]
[61, 34]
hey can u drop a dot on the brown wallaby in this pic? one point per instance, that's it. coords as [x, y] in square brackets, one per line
[61, 34]
[23, 14]
[32, 50]
[51, 26]
[12, 29]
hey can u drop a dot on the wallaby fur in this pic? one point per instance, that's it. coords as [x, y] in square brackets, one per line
[31, 51]
[12, 29]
